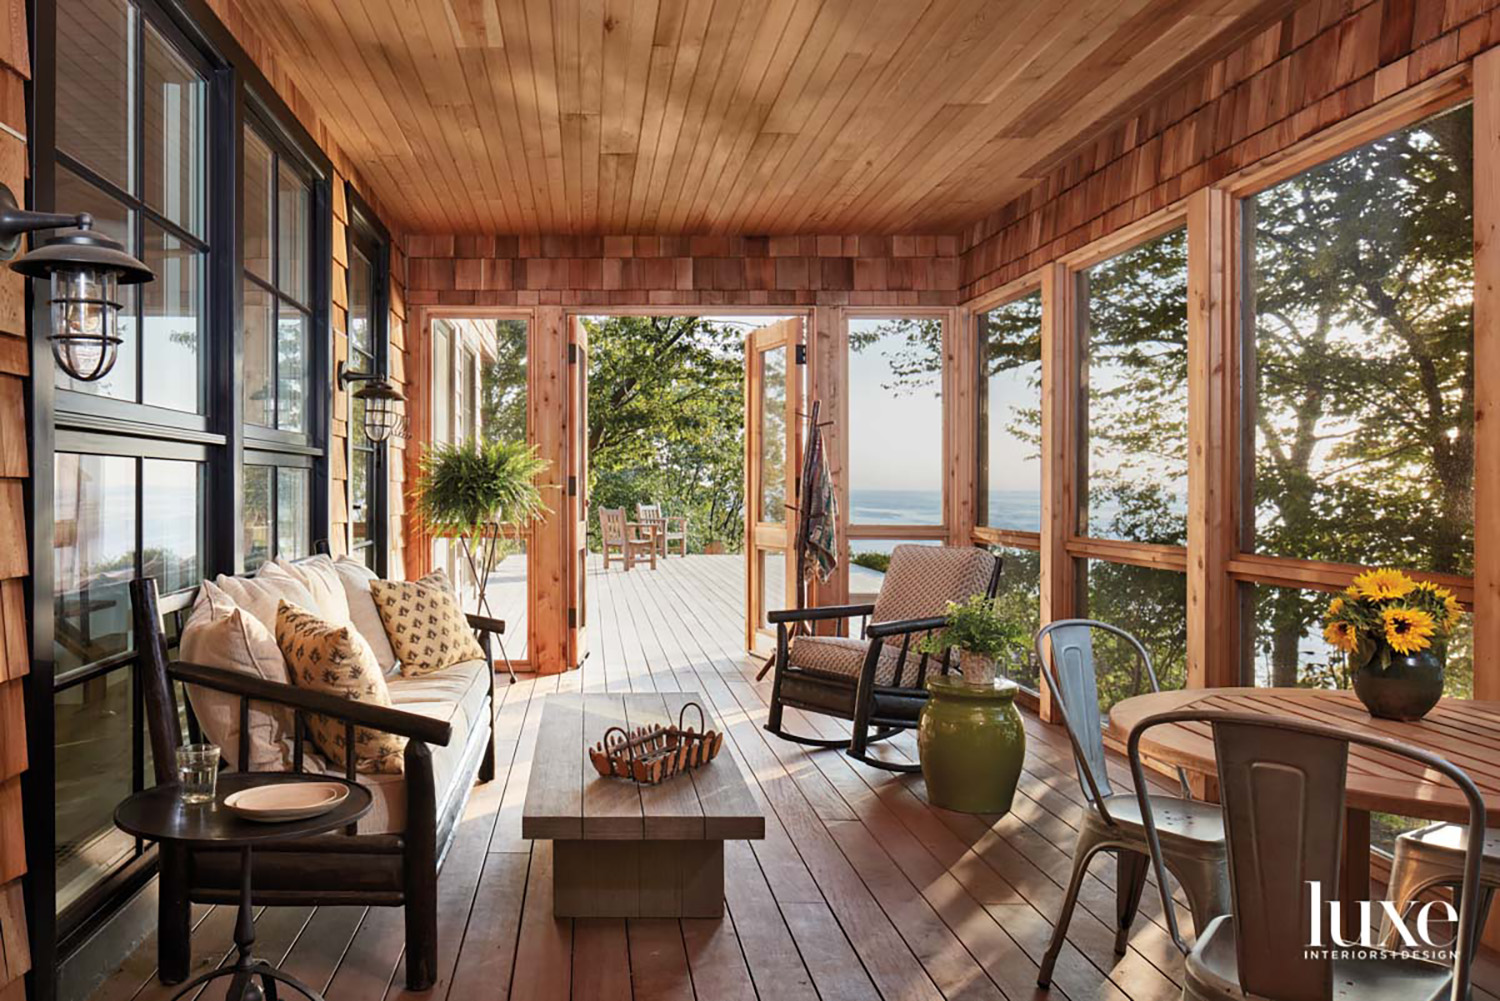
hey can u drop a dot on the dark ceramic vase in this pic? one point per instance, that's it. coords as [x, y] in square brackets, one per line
[1398, 686]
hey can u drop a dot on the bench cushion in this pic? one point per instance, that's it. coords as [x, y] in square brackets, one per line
[455, 694]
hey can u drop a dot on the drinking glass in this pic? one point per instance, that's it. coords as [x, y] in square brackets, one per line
[198, 771]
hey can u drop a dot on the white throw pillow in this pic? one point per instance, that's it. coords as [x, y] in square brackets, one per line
[363, 615]
[259, 595]
[322, 581]
[221, 634]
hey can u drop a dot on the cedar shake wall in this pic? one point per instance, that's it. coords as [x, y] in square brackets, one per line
[1323, 63]
[233, 14]
[15, 656]
[691, 272]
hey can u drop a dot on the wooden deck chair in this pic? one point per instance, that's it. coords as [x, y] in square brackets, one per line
[634, 540]
[666, 534]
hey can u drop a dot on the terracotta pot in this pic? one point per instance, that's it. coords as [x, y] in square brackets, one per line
[972, 744]
[714, 548]
[1397, 686]
[977, 669]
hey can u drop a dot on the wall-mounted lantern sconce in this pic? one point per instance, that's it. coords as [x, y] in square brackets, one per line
[382, 401]
[85, 269]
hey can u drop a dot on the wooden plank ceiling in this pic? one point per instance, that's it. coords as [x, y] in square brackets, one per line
[728, 116]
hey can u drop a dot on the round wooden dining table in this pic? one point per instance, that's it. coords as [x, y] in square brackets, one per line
[1465, 732]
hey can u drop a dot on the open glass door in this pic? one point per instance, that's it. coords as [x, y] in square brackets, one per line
[577, 504]
[773, 402]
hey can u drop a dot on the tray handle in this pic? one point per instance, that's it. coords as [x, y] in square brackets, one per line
[702, 717]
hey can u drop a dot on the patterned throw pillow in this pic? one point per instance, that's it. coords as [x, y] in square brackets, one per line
[425, 623]
[336, 660]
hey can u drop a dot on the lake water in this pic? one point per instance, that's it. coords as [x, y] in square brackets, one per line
[1015, 509]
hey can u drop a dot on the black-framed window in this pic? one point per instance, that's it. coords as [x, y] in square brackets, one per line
[276, 253]
[278, 284]
[130, 453]
[369, 352]
[132, 148]
[139, 115]
[278, 505]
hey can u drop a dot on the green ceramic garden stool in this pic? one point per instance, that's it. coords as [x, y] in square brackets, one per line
[973, 745]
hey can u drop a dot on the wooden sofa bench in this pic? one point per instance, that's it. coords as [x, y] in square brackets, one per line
[396, 867]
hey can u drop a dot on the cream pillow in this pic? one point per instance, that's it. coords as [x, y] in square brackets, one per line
[323, 584]
[425, 623]
[333, 659]
[363, 615]
[220, 634]
[259, 595]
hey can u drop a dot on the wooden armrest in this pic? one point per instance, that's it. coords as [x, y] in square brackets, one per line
[877, 630]
[484, 623]
[382, 718]
[825, 612]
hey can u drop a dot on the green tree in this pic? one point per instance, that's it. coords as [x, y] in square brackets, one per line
[666, 421]
[502, 384]
[1364, 372]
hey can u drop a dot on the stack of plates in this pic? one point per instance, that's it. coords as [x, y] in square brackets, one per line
[283, 801]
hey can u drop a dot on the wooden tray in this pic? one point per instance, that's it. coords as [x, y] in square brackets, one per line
[652, 754]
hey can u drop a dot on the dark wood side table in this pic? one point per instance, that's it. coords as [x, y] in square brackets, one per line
[159, 814]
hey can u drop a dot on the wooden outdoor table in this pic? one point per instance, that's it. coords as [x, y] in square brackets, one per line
[626, 850]
[1465, 732]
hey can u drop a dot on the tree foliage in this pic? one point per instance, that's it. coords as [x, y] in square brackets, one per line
[666, 421]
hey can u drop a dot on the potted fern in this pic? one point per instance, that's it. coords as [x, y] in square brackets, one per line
[482, 493]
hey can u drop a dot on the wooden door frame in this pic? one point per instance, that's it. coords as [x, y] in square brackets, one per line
[793, 341]
[419, 401]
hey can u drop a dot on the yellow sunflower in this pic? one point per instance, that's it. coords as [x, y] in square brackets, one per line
[1453, 611]
[1379, 585]
[1341, 635]
[1334, 607]
[1408, 630]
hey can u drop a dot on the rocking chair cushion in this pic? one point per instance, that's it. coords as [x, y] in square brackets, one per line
[922, 580]
[844, 657]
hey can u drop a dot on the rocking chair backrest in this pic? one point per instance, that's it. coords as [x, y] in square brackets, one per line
[612, 525]
[921, 580]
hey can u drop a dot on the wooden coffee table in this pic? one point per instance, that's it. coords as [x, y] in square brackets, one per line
[621, 850]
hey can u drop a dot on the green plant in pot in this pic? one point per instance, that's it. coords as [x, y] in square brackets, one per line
[1394, 632]
[970, 735]
[981, 635]
[483, 494]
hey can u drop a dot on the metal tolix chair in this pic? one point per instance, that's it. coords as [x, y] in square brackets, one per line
[1282, 784]
[1193, 833]
[1432, 858]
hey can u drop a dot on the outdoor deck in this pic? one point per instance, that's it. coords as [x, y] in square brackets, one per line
[860, 890]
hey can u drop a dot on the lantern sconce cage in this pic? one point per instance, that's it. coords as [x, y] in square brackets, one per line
[384, 418]
[85, 269]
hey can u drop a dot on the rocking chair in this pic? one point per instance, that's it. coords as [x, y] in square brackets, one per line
[876, 681]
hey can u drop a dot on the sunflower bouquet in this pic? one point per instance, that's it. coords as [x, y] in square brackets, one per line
[1386, 608]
